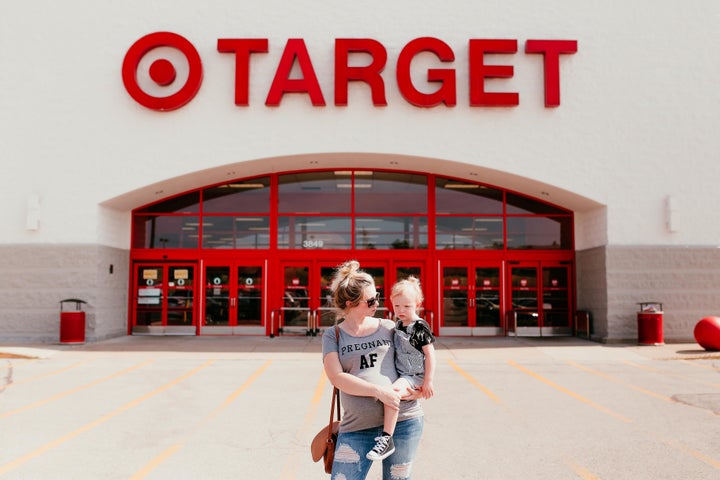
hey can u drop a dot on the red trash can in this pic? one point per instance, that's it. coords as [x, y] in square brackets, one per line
[72, 323]
[650, 324]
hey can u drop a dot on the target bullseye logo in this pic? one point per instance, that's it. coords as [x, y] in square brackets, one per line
[162, 71]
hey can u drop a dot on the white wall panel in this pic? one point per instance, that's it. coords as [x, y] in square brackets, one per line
[637, 121]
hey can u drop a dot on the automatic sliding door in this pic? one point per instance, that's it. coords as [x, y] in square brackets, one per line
[164, 300]
[541, 298]
[326, 311]
[524, 298]
[487, 284]
[557, 309]
[402, 271]
[217, 296]
[296, 313]
[233, 300]
[455, 301]
[379, 275]
[471, 300]
[249, 311]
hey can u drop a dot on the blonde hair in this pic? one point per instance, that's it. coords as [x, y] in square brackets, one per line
[349, 284]
[409, 286]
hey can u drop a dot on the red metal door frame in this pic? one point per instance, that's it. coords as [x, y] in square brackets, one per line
[140, 291]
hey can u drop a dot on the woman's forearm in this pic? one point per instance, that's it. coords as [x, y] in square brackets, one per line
[353, 385]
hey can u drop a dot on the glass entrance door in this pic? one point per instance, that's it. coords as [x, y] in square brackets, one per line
[557, 304]
[296, 315]
[233, 303]
[305, 304]
[401, 271]
[541, 299]
[487, 285]
[379, 274]
[524, 294]
[164, 299]
[326, 313]
[471, 300]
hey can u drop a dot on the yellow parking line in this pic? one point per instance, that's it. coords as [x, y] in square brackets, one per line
[581, 471]
[670, 374]
[616, 380]
[569, 392]
[289, 472]
[472, 380]
[89, 426]
[177, 446]
[75, 390]
[700, 456]
[49, 374]
[699, 365]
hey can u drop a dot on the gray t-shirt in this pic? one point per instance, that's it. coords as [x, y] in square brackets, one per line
[371, 358]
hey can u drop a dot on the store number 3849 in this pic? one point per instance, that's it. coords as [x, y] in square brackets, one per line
[312, 244]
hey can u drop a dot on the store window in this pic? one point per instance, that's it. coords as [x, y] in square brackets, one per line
[237, 215]
[469, 232]
[518, 204]
[391, 210]
[188, 203]
[387, 192]
[342, 210]
[176, 231]
[458, 197]
[314, 233]
[537, 225]
[251, 232]
[315, 192]
[396, 232]
[549, 233]
[252, 196]
[469, 216]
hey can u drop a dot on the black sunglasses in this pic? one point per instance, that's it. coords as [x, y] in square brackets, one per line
[372, 301]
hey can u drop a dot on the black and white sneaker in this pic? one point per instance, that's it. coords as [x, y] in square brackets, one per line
[382, 449]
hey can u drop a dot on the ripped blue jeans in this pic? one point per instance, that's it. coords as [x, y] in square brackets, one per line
[350, 462]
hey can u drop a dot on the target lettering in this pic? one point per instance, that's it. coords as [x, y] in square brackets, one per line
[357, 61]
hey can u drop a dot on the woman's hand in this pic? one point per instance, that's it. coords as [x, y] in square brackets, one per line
[409, 393]
[390, 397]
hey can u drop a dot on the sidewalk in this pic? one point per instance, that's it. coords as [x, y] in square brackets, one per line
[246, 407]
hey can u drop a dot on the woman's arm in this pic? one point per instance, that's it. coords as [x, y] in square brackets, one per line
[353, 385]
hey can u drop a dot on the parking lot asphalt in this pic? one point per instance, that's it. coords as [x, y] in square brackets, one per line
[247, 407]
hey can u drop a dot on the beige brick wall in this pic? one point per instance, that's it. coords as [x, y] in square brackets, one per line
[610, 283]
[612, 280]
[36, 277]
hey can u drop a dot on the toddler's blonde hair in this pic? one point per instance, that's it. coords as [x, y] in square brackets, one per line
[409, 286]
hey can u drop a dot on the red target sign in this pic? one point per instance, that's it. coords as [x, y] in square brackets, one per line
[162, 71]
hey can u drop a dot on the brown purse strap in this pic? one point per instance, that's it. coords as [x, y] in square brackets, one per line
[336, 393]
[335, 400]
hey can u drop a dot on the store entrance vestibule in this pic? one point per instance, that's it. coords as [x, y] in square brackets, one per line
[540, 299]
[233, 299]
[472, 299]
[305, 304]
[256, 256]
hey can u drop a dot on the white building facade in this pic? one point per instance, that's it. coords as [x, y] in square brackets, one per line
[604, 115]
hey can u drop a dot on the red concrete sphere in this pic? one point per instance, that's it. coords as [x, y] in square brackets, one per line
[707, 333]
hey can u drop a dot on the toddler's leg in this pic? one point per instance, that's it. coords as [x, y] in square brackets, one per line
[384, 446]
[390, 420]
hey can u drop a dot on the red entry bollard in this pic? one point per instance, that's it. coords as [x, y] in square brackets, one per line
[707, 333]
[72, 323]
[650, 324]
